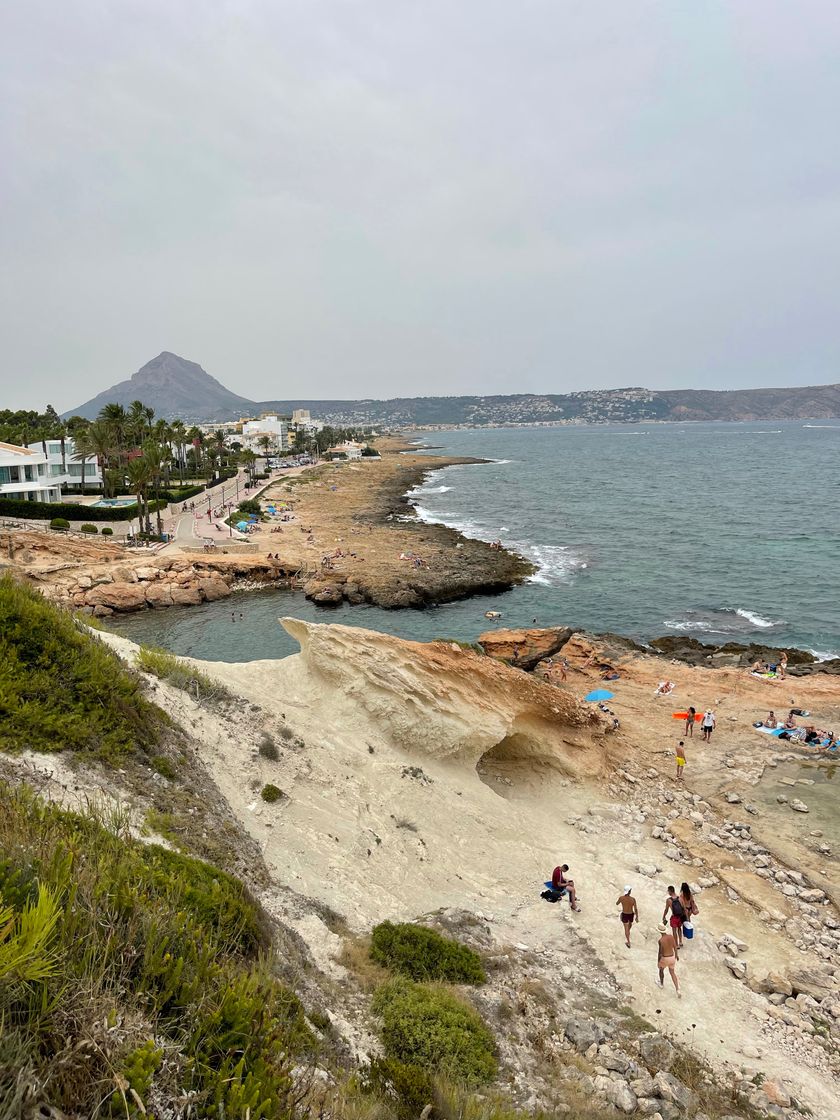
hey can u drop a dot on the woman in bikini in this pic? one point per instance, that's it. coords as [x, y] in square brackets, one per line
[667, 957]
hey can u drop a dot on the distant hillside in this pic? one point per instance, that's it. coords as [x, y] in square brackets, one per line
[175, 387]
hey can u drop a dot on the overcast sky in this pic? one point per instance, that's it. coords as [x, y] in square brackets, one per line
[346, 198]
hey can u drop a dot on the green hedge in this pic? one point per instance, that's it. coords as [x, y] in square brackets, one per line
[10, 507]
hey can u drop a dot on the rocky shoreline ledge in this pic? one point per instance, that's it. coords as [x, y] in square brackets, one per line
[104, 579]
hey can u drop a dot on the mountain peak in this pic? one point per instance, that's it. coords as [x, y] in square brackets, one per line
[174, 387]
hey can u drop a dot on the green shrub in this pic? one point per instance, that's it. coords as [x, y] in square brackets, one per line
[61, 687]
[165, 665]
[423, 954]
[151, 943]
[430, 1027]
[250, 505]
[163, 766]
[60, 524]
[271, 793]
[409, 1086]
[107, 531]
[89, 529]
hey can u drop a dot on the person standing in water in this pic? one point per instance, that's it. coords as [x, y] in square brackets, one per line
[667, 954]
[629, 912]
[681, 760]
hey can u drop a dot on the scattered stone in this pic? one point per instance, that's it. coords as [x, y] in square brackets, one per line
[799, 806]
[583, 1033]
[656, 1051]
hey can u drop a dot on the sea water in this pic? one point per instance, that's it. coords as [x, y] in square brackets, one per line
[723, 532]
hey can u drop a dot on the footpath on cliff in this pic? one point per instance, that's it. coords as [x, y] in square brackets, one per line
[427, 781]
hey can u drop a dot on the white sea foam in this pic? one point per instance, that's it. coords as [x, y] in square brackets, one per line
[755, 619]
[687, 625]
[824, 655]
[500, 461]
[556, 563]
[830, 427]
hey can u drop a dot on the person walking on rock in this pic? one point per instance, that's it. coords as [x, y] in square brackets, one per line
[673, 903]
[680, 760]
[629, 913]
[707, 725]
[667, 954]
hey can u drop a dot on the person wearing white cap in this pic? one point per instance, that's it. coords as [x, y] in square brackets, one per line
[629, 912]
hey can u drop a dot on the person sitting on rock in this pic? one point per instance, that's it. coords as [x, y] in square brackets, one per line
[771, 721]
[560, 881]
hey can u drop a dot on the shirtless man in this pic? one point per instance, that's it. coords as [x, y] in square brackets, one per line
[680, 760]
[629, 912]
[558, 880]
[667, 956]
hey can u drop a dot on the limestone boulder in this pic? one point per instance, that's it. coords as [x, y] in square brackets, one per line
[159, 594]
[657, 1052]
[117, 596]
[524, 648]
[186, 596]
[815, 982]
[213, 588]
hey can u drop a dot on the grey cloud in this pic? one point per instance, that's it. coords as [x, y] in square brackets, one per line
[371, 197]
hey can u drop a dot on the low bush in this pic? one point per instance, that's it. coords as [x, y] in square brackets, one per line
[408, 1086]
[166, 666]
[124, 952]
[60, 524]
[107, 531]
[62, 688]
[428, 1026]
[89, 528]
[423, 954]
[271, 793]
[250, 505]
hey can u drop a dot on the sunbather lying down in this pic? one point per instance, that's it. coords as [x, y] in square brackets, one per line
[664, 688]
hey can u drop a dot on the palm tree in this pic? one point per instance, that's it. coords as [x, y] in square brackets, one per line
[219, 437]
[179, 438]
[196, 438]
[248, 458]
[265, 443]
[153, 454]
[139, 473]
[116, 418]
[100, 440]
[83, 450]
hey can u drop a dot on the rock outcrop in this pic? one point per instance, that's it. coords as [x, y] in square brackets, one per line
[448, 702]
[100, 578]
[524, 648]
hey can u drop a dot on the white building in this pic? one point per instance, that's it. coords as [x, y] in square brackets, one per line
[276, 428]
[24, 475]
[349, 450]
[69, 474]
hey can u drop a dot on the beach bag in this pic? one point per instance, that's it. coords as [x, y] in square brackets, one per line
[688, 930]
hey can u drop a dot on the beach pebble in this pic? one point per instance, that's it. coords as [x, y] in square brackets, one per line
[799, 806]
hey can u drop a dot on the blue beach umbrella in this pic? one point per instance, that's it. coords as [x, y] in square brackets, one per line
[242, 525]
[600, 694]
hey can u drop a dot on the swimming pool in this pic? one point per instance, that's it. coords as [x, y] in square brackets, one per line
[109, 503]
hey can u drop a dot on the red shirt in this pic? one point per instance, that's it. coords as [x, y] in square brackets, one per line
[558, 879]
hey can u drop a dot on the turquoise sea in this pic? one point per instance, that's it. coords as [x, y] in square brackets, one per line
[720, 531]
